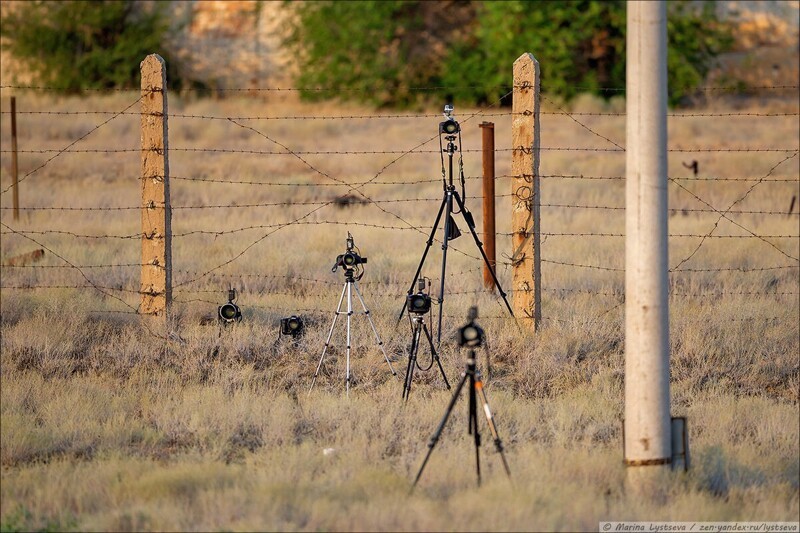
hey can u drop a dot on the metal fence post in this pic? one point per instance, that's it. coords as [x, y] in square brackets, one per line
[487, 136]
[14, 166]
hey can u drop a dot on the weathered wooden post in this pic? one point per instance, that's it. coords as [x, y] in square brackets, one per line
[156, 282]
[647, 446]
[14, 166]
[525, 197]
[489, 234]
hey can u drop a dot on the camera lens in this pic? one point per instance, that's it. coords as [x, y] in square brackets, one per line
[418, 303]
[293, 323]
[470, 333]
[349, 259]
[450, 127]
[228, 312]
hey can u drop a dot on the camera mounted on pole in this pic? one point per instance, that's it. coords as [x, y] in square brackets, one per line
[453, 203]
[471, 335]
[419, 303]
[450, 125]
[351, 260]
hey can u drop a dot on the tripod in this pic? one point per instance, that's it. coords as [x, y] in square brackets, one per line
[350, 285]
[475, 392]
[418, 328]
[451, 230]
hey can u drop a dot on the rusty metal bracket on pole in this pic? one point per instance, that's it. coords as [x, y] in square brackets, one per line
[489, 233]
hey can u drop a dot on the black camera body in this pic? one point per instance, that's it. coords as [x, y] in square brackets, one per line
[471, 335]
[449, 127]
[229, 313]
[292, 325]
[349, 260]
[419, 303]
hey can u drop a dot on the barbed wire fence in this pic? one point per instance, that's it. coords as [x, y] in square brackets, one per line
[195, 286]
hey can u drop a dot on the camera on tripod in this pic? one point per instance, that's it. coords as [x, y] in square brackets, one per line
[419, 303]
[229, 312]
[350, 259]
[450, 126]
[471, 335]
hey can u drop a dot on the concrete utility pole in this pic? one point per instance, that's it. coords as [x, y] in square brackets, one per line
[526, 271]
[647, 409]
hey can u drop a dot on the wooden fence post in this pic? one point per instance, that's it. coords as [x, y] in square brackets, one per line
[156, 282]
[525, 197]
[14, 166]
[487, 136]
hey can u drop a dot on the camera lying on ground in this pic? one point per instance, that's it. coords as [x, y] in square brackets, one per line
[292, 325]
[230, 312]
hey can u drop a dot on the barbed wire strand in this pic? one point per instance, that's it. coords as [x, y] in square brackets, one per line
[85, 277]
[723, 214]
[726, 217]
[373, 88]
[66, 148]
[523, 149]
[401, 116]
[581, 124]
[356, 189]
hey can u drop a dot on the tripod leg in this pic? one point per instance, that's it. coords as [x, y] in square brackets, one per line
[424, 255]
[374, 329]
[473, 423]
[435, 355]
[328, 341]
[349, 314]
[471, 225]
[447, 219]
[412, 360]
[492, 428]
[440, 428]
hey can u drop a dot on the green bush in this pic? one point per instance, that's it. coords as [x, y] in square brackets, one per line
[75, 45]
[373, 47]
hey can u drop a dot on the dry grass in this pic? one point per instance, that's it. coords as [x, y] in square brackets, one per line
[105, 427]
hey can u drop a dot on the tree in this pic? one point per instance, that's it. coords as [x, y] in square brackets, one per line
[75, 45]
[384, 49]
